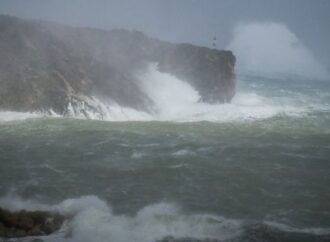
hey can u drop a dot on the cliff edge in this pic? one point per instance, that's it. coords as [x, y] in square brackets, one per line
[47, 66]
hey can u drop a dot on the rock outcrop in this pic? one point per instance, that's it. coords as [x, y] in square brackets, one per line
[47, 66]
[28, 223]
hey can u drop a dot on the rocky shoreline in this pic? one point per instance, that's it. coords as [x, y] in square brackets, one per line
[48, 66]
[28, 223]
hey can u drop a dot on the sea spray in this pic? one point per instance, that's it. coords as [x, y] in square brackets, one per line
[6, 116]
[175, 100]
[92, 219]
[235, 179]
[273, 49]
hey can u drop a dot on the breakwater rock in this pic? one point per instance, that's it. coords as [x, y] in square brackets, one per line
[28, 223]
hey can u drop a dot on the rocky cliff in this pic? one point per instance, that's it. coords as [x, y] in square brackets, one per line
[47, 66]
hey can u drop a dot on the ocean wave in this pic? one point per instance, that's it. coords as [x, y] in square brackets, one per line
[92, 219]
[177, 101]
[244, 107]
[6, 116]
[288, 228]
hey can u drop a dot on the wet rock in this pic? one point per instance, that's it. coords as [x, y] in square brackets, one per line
[28, 223]
[46, 66]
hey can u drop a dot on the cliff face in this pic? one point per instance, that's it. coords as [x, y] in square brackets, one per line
[210, 71]
[46, 66]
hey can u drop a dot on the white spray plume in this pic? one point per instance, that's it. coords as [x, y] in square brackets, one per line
[271, 48]
[178, 101]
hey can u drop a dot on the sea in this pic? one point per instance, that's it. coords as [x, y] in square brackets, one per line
[253, 170]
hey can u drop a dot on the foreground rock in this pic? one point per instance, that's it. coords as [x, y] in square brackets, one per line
[48, 66]
[27, 223]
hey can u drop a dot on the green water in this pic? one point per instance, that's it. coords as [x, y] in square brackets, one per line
[260, 171]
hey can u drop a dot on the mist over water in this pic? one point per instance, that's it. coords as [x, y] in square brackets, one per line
[273, 49]
[237, 177]
[257, 170]
[97, 222]
[177, 101]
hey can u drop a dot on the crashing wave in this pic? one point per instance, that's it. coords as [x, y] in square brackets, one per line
[92, 219]
[175, 100]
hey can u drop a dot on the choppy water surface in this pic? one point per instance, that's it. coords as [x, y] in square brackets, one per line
[254, 170]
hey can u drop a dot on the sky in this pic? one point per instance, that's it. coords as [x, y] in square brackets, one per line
[191, 21]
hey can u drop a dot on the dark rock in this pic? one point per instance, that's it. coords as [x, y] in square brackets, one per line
[28, 223]
[45, 66]
[210, 71]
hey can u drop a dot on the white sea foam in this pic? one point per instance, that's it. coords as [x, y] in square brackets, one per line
[137, 155]
[105, 110]
[183, 152]
[176, 100]
[6, 116]
[287, 228]
[93, 220]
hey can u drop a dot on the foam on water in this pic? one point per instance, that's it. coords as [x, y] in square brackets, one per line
[287, 228]
[176, 100]
[92, 219]
[105, 110]
[6, 116]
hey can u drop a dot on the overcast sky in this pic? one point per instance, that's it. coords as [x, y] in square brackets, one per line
[193, 21]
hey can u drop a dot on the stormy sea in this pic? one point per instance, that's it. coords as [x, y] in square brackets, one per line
[256, 169]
